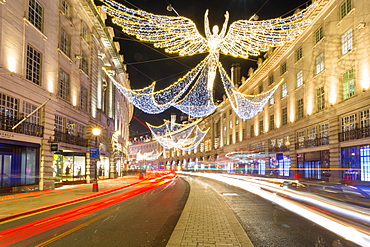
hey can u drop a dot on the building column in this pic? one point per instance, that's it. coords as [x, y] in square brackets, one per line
[112, 166]
[46, 181]
[291, 145]
[334, 151]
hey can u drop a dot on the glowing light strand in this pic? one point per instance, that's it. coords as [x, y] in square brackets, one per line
[179, 35]
[181, 136]
[245, 106]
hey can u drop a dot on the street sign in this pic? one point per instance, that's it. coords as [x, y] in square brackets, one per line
[94, 153]
[54, 147]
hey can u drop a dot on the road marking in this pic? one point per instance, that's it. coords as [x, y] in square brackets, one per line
[80, 226]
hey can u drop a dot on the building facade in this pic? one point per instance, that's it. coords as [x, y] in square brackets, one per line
[316, 126]
[56, 61]
[144, 153]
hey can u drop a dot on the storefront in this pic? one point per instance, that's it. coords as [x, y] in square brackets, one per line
[314, 165]
[69, 166]
[103, 167]
[19, 163]
[356, 163]
[280, 165]
[69, 163]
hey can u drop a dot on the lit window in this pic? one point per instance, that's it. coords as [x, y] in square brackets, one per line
[299, 77]
[320, 97]
[365, 163]
[365, 118]
[8, 106]
[311, 133]
[348, 84]
[319, 63]
[301, 138]
[284, 90]
[231, 124]
[324, 133]
[272, 100]
[347, 42]
[35, 117]
[71, 127]
[59, 123]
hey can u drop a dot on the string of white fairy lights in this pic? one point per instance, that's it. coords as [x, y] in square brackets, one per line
[185, 137]
[178, 34]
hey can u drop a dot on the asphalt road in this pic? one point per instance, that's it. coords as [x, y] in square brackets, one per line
[269, 226]
[146, 219]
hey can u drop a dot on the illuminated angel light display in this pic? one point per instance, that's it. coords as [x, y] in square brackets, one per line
[178, 34]
[181, 136]
[150, 156]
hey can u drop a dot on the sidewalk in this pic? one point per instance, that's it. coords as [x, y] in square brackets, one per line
[23, 203]
[205, 221]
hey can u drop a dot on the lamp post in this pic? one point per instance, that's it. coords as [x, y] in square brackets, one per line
[96, 131]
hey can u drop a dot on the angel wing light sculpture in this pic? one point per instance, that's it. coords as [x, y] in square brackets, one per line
[178, 34]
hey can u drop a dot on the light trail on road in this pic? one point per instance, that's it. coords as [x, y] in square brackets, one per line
[322, 211]
[15, 234]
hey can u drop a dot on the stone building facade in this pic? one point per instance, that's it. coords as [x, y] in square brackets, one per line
[55, 61]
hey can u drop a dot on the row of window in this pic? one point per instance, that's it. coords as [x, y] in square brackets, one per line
[61, 124]
[11, 107]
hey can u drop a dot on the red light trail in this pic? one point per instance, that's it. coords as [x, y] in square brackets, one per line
[15, 234]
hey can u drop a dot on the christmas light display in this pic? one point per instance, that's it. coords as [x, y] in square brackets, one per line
[245, 106]
[150, 156]
[181, 136]
[178, 34]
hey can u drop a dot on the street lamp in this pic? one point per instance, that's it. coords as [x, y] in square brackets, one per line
[96, 131]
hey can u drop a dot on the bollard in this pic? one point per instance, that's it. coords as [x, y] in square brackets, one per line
[95, 187]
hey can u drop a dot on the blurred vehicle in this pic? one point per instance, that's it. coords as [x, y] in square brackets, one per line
[348, 194]
[292, 184]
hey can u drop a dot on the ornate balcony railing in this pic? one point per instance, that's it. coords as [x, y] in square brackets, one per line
[357, 133]
[70, 139]
[282, 148]
[312, 143]
[7, 123]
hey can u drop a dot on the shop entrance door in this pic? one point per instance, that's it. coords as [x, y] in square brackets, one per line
[5, 170]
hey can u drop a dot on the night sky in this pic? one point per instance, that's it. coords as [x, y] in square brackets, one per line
[146, 64]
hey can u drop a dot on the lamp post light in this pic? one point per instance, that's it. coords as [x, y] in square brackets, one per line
[96, 131]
